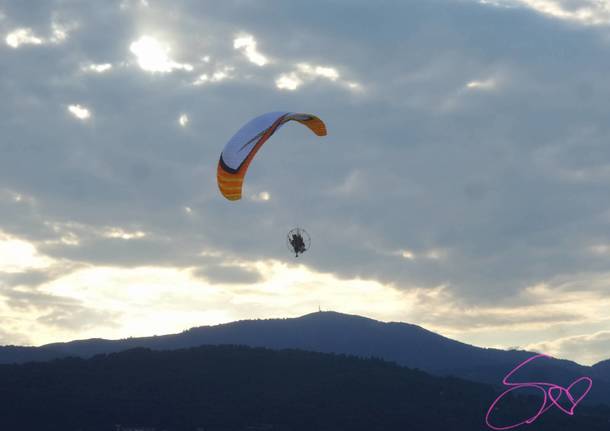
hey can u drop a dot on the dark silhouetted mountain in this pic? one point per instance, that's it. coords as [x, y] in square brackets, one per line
[331, 332]
[602, 370]
[231, 388]
[18, 354]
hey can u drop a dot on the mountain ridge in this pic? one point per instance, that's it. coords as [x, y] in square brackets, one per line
[332, 332]
[239, 388]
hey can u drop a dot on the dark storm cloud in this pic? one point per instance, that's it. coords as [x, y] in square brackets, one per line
[507, 182]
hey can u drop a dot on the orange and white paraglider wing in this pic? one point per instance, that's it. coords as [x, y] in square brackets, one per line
[314, 123]
[239, 152]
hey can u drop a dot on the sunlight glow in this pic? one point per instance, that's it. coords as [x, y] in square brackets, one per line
[79, 112]
[183, 120]
[139, 296]
[22, 36]
[17, 255]
[153, 56]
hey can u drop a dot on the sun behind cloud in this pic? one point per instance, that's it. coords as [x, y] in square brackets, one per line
[153, 56]
[79, 112]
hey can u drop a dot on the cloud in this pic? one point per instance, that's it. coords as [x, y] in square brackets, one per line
[247, 45]
[117, 232]
[26, 303]
[22, 36]
[79, 112]
[17, 255]
[466, 150]
[57, 33]
[305, 72]
[590, 348]
[218, 75]
[290, 81]
[29, 277]
[228, 274]
[590, 12]
[587, 12]
[153, 56]
[77, 317]
[98, 68]
[481, 85]
[261, 197]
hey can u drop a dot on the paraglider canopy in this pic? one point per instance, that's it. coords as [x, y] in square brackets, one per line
[242, 147]
[298, 241]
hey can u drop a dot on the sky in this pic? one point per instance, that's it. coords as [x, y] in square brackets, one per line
[463, 185]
